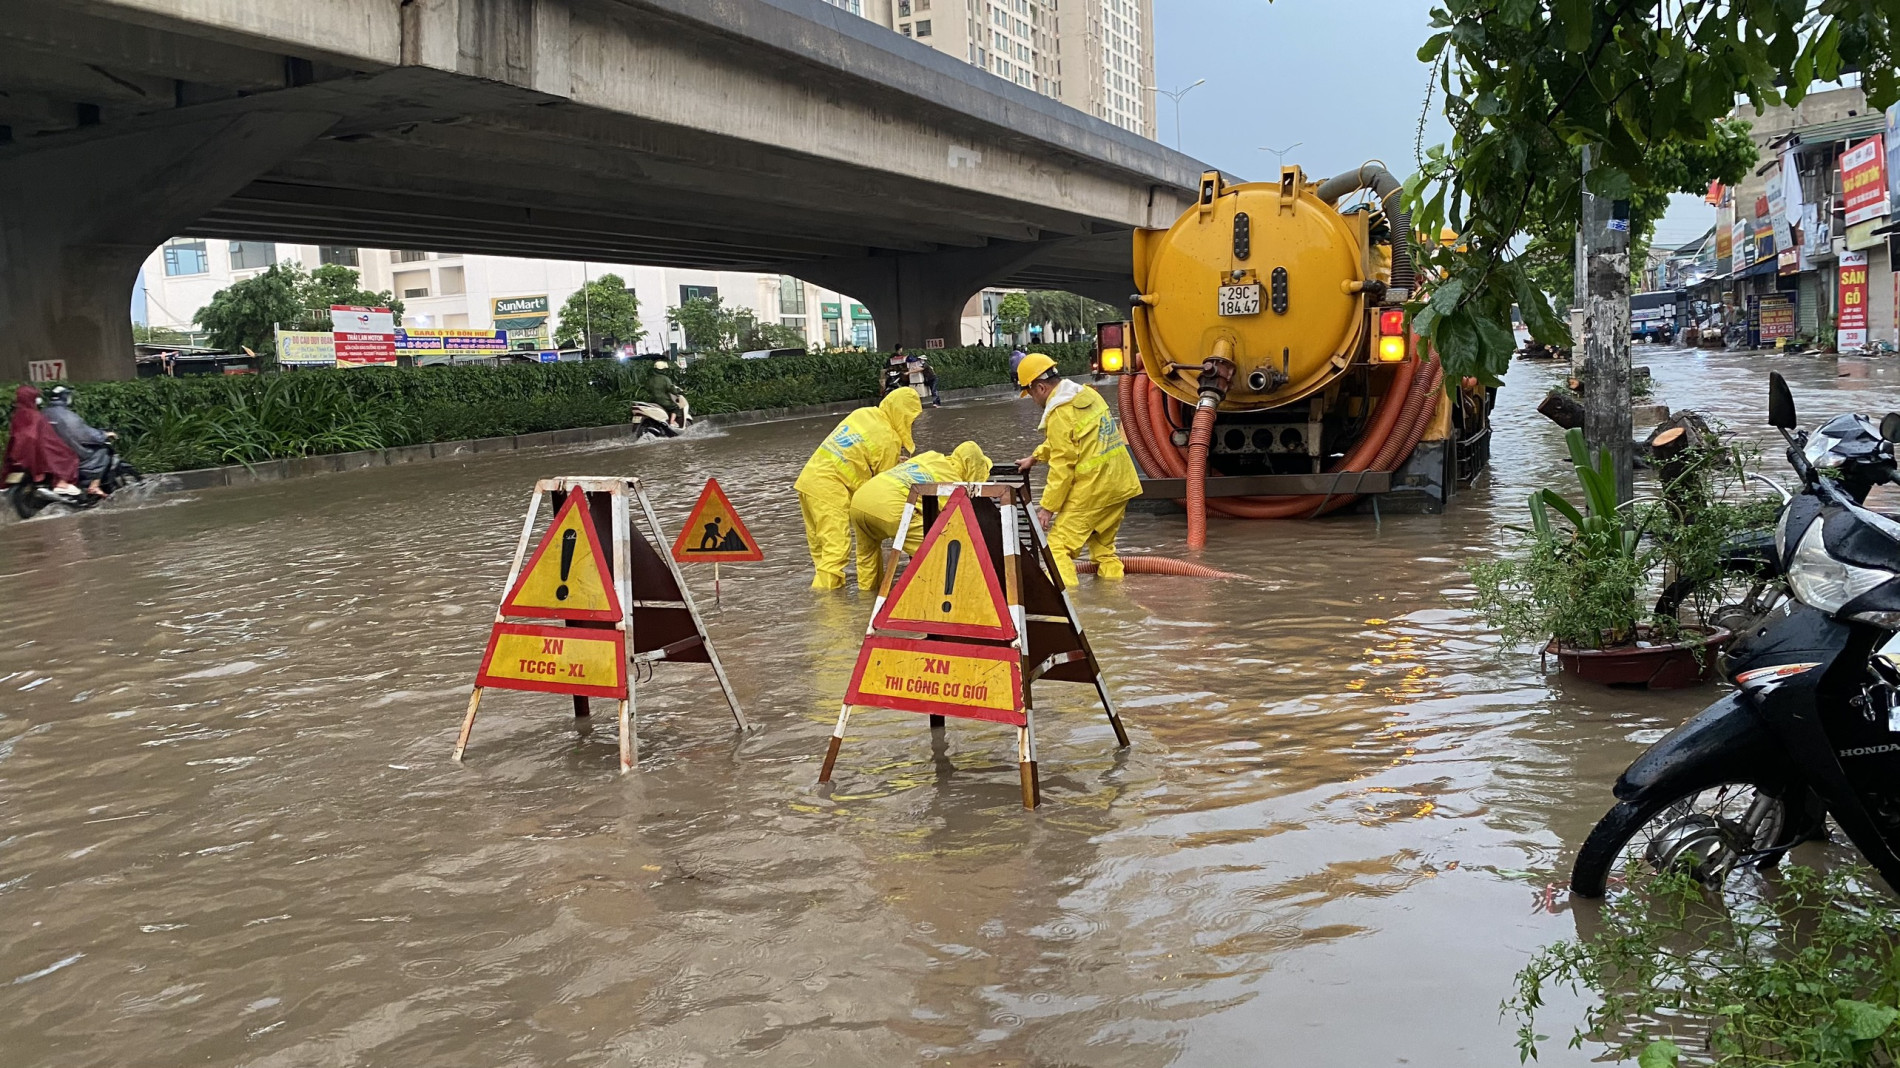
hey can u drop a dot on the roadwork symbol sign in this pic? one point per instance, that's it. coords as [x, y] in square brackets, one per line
[581, 661]
[567, 577]
[941, 678]
[714, 534]
[950, 588]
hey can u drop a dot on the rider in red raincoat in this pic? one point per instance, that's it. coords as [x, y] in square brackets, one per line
[34, 448]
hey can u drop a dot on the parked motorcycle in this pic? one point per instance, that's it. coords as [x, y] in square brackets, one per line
[1815, 734]
[29, 498]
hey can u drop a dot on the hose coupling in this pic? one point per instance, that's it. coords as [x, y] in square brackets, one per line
[1217, 377]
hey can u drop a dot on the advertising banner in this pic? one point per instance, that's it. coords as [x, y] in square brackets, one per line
[1851, 330]
[523, 319]
[364, 337]
[1724, 248]
[1738, 241]
[306, 348]
[1893, 149]
[1771, 317]
[444, 345]
[1864, 181]
[1764, 231]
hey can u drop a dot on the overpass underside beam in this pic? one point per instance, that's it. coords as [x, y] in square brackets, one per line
[917, 299]
[82, 216]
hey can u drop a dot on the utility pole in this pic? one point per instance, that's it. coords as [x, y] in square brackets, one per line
[1604, 280]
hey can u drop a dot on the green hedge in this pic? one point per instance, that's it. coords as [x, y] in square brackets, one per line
[174, 424]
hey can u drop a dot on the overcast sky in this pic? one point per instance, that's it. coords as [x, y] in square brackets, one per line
[1342, 80]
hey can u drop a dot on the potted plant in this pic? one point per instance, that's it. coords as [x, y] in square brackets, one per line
[1582, 579]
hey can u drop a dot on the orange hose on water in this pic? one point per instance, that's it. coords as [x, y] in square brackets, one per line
[1161, 565]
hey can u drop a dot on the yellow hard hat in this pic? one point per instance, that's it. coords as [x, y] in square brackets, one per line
[1033, 366]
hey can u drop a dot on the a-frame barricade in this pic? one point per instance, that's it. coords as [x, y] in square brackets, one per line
[589, 593]
[946, 640]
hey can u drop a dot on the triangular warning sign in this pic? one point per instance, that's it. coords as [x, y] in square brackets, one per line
[714, 534]
[950, 587]
[567, 577]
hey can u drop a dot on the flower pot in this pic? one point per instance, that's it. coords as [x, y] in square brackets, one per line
[1655, 666]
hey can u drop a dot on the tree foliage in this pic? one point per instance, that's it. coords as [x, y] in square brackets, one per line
[1644, 84]
[245, 313]
[1068, 312]
[1012, 313]
[608, 305]
[710, 325]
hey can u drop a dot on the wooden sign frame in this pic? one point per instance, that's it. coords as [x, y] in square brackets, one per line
[1049, 638]
[659, 620]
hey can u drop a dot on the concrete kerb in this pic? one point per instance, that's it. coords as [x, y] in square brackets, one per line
[205, 478]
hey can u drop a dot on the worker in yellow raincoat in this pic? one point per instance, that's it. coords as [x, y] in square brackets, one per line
[878, 506]
[1091, 476]
[867, 443]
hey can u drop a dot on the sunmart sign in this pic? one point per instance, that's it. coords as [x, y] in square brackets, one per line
[521, 305]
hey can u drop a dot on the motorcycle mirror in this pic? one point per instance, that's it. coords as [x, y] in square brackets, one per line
[1890, 426]
[1780, 403]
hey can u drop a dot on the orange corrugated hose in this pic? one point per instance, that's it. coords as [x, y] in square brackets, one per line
[1394, 433]
[1161, 565]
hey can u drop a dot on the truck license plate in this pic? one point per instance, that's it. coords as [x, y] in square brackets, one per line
[1240, 300]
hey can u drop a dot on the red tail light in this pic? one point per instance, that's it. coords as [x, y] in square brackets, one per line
[1392, 323]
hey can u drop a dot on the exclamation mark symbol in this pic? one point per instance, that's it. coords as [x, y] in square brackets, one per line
[950, 572]
[568, 539]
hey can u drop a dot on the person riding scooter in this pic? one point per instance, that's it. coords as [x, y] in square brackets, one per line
[35, 452]
[92, 445]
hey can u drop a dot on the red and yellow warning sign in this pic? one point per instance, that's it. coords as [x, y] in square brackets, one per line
[940, 678]
[583, 661]
[567, 577]
[714, 533]
[950, 587]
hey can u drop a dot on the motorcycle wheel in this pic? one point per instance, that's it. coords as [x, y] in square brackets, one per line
[26, 502]
[1702, 833]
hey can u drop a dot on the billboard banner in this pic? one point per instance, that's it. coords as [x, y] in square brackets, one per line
[435, 346]
[1864, 181]
[1764, 231]
[1852, 327]
[306, 348]
[364, 337]
[523, 319]
[1724, 248]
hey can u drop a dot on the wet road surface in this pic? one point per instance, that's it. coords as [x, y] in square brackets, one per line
[230, 832]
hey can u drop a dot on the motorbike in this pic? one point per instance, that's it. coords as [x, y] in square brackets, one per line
[652, 421]
[1851, 449]
[29, 497]
[1813, 731]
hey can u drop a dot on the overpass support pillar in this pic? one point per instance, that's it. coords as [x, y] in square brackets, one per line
[80, 217]
[919, 297]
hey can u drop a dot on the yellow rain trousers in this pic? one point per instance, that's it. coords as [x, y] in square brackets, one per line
[1090, 482]
[877, 508]
[867, 443]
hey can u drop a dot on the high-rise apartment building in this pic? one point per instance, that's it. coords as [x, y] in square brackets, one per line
[1093, 55]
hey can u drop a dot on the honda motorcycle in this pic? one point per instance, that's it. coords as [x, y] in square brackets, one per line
[1813, 729]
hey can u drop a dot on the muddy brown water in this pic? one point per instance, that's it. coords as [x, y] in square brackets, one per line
[230, 832]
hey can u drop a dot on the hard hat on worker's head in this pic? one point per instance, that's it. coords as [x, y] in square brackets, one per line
[974, 465]
[1032, 367]
[902, 406]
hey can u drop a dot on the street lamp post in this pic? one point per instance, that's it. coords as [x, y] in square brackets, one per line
[1279, 154]
[1176, 95]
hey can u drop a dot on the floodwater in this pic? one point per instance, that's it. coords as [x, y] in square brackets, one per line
[231, 834]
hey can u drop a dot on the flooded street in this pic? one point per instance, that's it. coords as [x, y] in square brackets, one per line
[231, 834]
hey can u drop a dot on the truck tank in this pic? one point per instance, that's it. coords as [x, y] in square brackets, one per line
[1273, 354]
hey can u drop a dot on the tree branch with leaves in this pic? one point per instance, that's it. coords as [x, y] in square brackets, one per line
[1645, 85]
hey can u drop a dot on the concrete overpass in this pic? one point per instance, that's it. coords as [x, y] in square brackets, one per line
[773, 135]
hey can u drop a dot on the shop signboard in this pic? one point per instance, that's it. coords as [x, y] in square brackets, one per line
[1864, 181]
[1764, 231]
[364, 337]
[1893, 149]
[1724, 249]
[446, 345]
[1771, 317]
[306, 348]
[522, 319]
[831, 311]
[860, 313]
[1851, 330]
[1739, 240]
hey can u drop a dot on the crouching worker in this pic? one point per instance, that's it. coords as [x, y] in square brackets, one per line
[869, 442]
[879, 505]
[1091, 476]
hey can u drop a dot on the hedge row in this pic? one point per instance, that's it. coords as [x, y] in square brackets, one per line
[174, 424]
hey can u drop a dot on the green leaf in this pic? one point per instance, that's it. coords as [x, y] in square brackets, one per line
[1575, 17]
[1661, 1053]
[1555, 500]
[1863, 1021]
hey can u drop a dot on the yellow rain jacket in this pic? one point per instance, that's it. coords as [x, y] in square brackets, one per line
[865, 444]
[877, 508]
[1091, 478]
